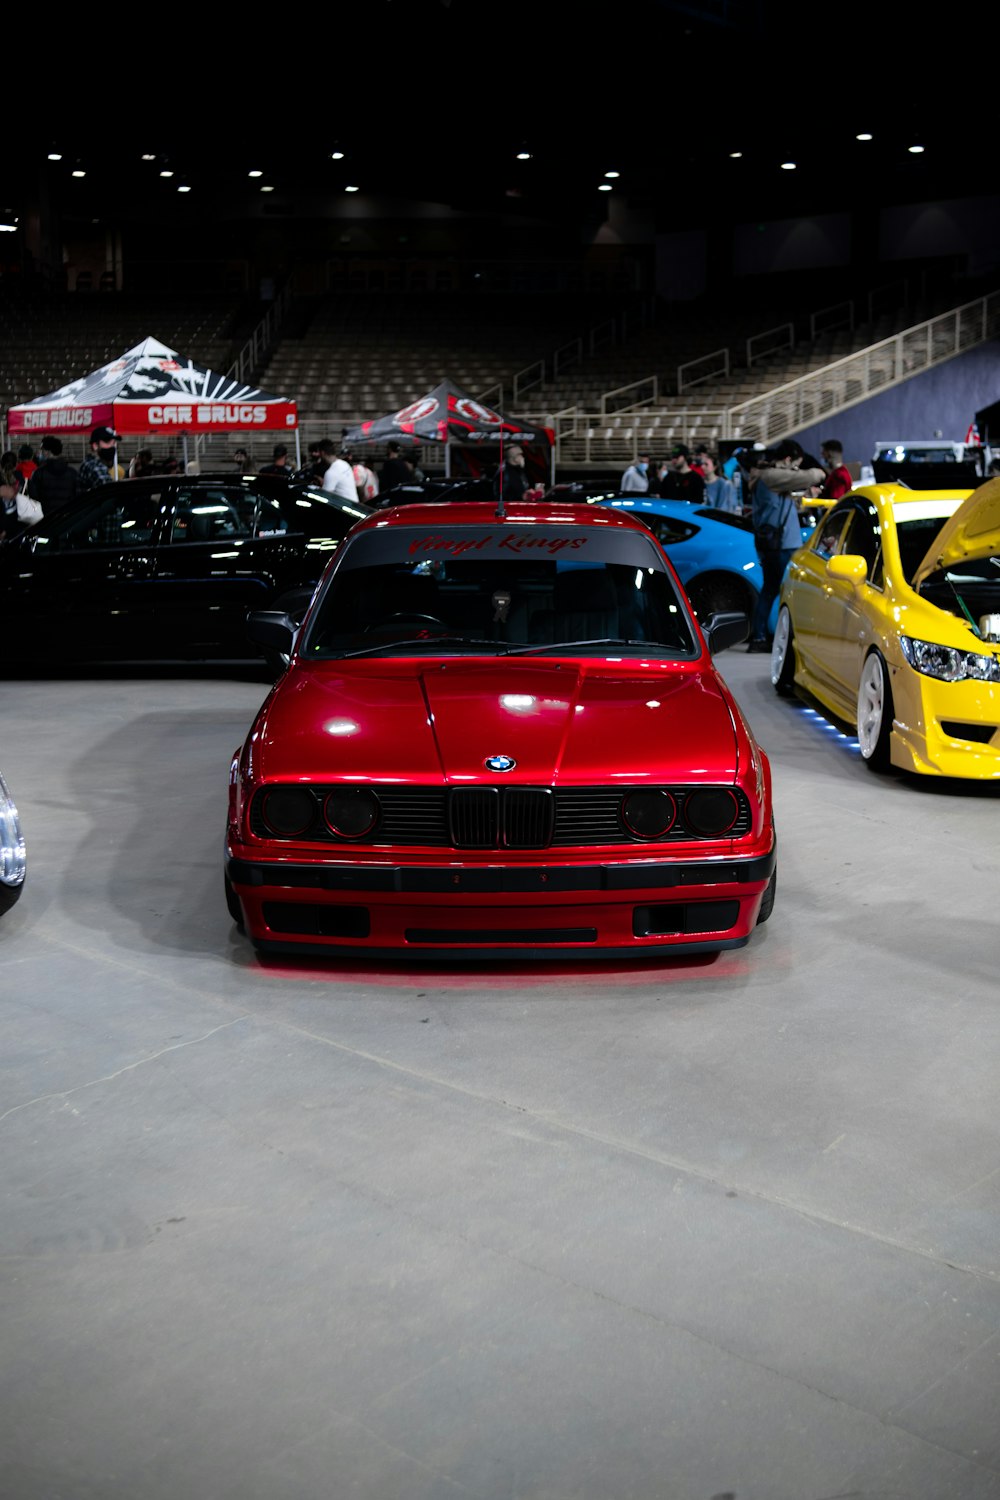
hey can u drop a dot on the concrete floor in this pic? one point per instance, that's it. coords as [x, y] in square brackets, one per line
[723, 1228]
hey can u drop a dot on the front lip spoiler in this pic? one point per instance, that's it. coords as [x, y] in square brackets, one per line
[500, 879]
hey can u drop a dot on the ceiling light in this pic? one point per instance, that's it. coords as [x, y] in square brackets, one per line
[864, 136]
[55, 156]
[350, 190]
[79, 172]
[916, 150]
[604, 187]
[735, 155]
[336, 156]
[265, 188]
[6, 228]
[148, 156]
[166, 172]
[788, 166]
[612, 174]
[524, 156]
[255, 173]
[183, 188]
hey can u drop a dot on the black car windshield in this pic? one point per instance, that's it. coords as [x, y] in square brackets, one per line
[546, 589]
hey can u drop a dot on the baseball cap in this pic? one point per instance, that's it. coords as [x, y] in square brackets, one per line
[105, 435]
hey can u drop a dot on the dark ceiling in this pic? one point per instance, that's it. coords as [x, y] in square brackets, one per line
[431, 100]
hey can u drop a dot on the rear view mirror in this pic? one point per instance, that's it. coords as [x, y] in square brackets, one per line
[272, 629]
[724, 630]
[848, 565]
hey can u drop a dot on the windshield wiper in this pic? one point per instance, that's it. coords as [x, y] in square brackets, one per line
[544, 647]
[420, 640]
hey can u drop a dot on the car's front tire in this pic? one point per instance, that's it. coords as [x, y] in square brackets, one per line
[875, 712]
[233, 903]
[767, 900]
[783, 654]
[718, 594]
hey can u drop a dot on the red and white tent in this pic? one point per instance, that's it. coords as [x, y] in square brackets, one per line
[151, 389]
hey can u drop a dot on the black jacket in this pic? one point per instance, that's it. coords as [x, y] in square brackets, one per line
[54, 483]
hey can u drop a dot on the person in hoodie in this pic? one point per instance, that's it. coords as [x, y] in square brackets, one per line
[55, 482]
[635, 480]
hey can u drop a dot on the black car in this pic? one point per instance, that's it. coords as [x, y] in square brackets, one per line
[166, 568]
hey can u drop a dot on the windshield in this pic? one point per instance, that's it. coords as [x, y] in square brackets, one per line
[496, 589]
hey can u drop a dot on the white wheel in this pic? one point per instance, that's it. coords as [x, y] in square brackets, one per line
[874, 712]
[783, 654]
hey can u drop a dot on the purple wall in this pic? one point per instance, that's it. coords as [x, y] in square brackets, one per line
[943, 400]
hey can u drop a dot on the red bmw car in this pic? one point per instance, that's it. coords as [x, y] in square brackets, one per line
[500, 735]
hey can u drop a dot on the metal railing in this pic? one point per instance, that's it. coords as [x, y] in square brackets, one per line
[828, 319]
[770, 341]
[637, 393]
[263, 336]
[716, 364]
[531, 375]
[799, 403]
[566, 356]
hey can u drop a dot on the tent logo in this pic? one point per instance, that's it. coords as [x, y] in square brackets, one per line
[473, 411]
[417, 410]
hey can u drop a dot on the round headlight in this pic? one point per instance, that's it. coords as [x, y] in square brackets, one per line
[288, 810]
[647, 815]
[351, 812]
[711, 812]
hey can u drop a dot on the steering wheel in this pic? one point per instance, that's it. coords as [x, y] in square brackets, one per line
[407, 616]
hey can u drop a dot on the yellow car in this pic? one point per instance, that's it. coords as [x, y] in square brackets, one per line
[890, 616]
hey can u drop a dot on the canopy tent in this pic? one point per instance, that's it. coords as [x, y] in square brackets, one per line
[448, 415]
[151, 389]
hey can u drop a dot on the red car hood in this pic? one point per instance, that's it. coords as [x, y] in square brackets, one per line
[560, 721]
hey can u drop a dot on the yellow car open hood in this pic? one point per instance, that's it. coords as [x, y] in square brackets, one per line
[972, 531]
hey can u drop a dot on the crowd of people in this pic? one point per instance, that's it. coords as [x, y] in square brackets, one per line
[697, 475]
[769, 487]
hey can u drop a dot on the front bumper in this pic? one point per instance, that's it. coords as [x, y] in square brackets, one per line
[607, 909]
[945, 728]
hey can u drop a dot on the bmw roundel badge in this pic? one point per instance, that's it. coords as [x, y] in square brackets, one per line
[499, 763]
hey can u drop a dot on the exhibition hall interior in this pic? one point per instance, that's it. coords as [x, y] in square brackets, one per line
[500, 758]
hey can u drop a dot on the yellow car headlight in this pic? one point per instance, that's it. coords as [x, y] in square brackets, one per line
[947, 663]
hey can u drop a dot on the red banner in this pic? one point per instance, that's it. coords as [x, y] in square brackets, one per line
[152, 417]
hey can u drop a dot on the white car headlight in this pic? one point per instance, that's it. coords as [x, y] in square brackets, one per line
[947, 663]
[12, 857]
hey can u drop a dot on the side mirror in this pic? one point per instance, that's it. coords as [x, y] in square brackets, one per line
[724, 630]
[272, 629]
[849, 566]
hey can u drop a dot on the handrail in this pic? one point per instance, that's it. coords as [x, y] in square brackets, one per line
[262, 336]
[723, 369]
[836, 321]
[847, 381]
[787, 341]
[650, 381]
[533, 374]
[559, 362]
[601, 334]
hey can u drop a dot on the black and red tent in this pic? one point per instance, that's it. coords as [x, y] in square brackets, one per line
[448, 415]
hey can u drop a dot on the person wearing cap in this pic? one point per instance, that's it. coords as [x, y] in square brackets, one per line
[102, 465]
[680, 481]
[55, 482]
[280, 463]
[338, 476]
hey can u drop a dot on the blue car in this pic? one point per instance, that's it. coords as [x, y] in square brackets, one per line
[712, 552]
